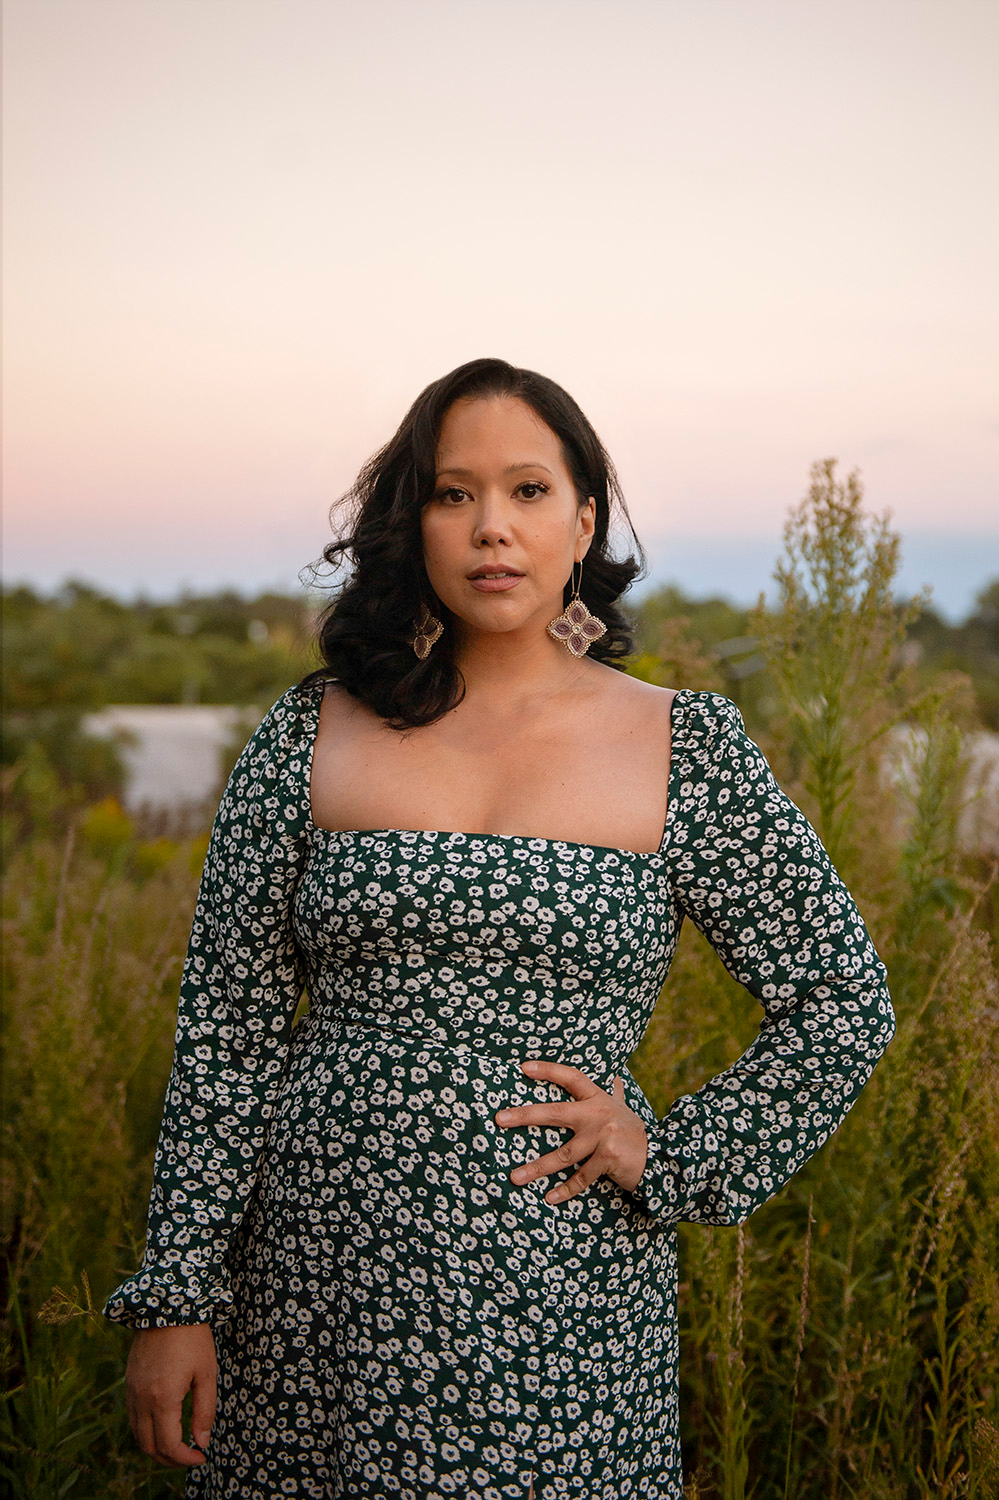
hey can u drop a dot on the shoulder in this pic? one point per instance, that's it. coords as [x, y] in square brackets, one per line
[710, 740]
[266, 798]
[293, 712]
[616, 693]
[709, 716]
[706, 724]
[283, 739]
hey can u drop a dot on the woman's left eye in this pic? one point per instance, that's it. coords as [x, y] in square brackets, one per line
[534, 484]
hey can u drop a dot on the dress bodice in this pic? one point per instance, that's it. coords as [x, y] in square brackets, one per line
[498, 944]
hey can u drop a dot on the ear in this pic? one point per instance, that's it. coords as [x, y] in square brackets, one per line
[586, 520]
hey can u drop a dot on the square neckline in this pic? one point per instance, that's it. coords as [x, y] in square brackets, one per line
[314, 829]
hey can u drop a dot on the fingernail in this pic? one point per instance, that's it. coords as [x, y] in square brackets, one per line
[503, 1114]
[531, 1066]
[519, 1175]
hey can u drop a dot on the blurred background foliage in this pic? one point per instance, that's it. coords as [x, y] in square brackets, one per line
[841, 1343]
[81, 649]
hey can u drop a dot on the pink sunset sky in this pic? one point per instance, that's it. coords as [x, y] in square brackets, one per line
[744, 234]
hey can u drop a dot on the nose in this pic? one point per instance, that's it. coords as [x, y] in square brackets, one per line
[492, 523]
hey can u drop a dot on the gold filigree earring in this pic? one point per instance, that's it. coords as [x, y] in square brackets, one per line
[575, 627]
[428, 629]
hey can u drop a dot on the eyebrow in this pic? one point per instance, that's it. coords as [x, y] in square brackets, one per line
[511, 469]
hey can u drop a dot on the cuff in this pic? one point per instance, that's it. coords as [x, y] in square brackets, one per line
[159, 1298]
[659, 1190]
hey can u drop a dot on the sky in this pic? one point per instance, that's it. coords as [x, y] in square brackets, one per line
[744, 234]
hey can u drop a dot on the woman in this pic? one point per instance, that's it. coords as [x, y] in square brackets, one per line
[429, 1233]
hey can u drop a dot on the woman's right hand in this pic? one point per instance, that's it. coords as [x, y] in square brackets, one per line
[163, 1365]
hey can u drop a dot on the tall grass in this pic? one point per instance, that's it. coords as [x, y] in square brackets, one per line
[840, 1344]
[94, 926]
[869, 1289]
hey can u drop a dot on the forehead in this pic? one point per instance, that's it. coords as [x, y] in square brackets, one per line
[489, 428]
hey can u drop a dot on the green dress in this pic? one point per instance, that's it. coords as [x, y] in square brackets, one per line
[393, 1316]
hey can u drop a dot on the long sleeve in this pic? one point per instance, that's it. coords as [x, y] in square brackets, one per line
[750, 871]
[240, 986]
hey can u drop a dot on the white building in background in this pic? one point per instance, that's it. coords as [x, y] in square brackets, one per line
[175, 755]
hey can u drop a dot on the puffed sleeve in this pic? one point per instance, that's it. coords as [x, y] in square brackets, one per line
[749, 870]
[240, 986]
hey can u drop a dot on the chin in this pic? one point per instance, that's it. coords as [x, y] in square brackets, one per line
[496, 622]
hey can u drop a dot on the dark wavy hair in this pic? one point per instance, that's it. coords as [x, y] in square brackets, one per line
[364, 633]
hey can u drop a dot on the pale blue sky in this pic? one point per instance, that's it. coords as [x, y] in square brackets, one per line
[745, 234]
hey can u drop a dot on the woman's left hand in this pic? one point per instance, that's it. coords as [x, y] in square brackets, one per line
[610, 1139]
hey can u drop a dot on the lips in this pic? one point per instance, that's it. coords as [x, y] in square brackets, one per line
[491, 578]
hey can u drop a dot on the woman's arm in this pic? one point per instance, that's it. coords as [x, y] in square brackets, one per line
[241, 983]
[749, 870]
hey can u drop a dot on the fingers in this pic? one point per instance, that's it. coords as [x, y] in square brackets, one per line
[157, 1431]
[609, 1137]
[537, 1114]
[158, 1434]
[142, 1430]
[203, 1406]
[170, 1447]
[575, 1184]
[565, 1076]
[563, 1156]
[554, 1112]
[557, 1161]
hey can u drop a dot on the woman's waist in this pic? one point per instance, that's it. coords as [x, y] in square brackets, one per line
[326, 1029]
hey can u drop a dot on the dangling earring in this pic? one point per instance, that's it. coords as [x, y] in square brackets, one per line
[428, 629]
[575, 627]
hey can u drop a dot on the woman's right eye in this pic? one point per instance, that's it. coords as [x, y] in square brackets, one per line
[451, 490]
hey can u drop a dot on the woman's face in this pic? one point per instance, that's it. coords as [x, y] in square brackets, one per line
[504, 526]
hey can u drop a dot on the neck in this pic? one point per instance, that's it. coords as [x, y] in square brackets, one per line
[506, 672]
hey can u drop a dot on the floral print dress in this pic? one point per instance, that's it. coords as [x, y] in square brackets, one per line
[393, 1316]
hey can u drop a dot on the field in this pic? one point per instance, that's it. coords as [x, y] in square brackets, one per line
[843, 1343]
